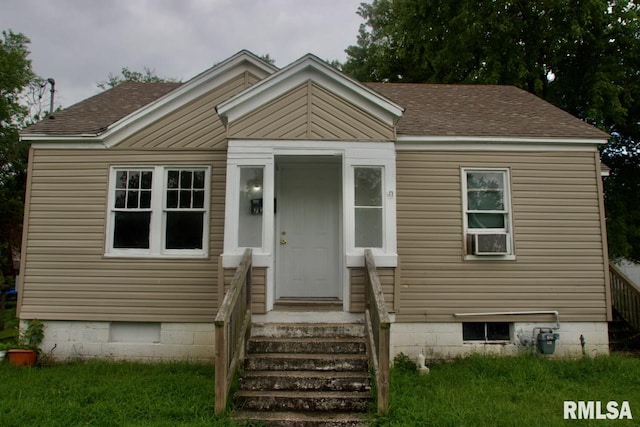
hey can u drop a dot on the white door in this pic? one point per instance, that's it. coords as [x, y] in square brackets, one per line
[308, 232]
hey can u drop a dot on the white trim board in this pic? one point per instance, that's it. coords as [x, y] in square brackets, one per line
[485, 143]
[197, 86]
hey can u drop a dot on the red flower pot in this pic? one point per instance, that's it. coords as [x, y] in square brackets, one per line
[22, 357]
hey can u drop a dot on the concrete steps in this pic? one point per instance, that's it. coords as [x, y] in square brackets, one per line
[302, 374]
[301, 419]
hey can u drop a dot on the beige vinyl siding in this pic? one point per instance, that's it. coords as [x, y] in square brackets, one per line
[310, 112]
[357, 280]
[66, 275]
[560, 263]
[193, 126]
[258, 287]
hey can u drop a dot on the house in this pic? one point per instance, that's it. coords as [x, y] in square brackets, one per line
[482, 206]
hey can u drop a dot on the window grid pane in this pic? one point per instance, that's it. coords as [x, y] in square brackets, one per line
[132, 209]
[185, 189]
[133, 190]
[184, 209]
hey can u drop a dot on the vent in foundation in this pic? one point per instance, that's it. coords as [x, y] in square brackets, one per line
[133, 332]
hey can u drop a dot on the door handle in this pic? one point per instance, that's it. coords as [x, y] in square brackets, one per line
[283, 242]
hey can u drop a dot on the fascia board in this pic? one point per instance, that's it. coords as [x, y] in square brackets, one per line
[66, 142]
[309, 67]
[426, 140]
[38, 137]
[197, 86]
[69, 145]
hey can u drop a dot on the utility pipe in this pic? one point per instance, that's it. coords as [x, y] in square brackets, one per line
[513, 313]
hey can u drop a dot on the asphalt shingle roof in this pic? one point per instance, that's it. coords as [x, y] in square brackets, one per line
[95, 114]
[430, 110]
[480, 110]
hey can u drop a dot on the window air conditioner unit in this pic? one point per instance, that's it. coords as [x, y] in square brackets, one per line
[490, 244]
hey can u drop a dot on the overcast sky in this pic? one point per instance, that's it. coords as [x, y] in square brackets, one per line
[79, 42]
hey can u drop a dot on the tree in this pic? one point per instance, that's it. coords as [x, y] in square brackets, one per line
[268, 59]
[15, 75]
[582, 56]
[147, 75]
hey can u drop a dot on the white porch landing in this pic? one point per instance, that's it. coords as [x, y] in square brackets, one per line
[308, 317]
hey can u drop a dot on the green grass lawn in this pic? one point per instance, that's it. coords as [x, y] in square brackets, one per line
[10, 331]
[108, 394]
[478, 391]
[512, 391]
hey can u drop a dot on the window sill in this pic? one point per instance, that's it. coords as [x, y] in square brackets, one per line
[139, 255]
[260, 259]
[382, 260]
[480, 342]
[489, 258]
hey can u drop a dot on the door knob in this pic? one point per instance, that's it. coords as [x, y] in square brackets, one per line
[283, 242]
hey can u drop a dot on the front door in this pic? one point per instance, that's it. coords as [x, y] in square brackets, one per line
[308, 231]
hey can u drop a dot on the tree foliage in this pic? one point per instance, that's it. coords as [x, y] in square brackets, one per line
[15, 75]
[583, 56]
[147, 75]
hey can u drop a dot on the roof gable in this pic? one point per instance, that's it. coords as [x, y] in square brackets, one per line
[309, 68]
[134, 116]
[310, 112]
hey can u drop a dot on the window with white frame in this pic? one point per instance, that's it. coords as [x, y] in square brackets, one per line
[250, 206]
[158, 211]
[368, 204]
[487, 217]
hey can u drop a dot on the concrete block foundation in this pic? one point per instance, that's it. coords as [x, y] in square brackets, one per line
[444, 341]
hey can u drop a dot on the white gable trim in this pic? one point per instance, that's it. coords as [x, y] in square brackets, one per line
[309, 67]
[139, 119]
[194, 88]
[197, 86]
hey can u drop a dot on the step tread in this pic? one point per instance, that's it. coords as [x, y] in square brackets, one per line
[300, 416]
[308, 374]
[297, 394]
[309, 339]
[315, 356]
[308, 324]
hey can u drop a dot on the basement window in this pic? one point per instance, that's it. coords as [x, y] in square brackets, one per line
[486, 331]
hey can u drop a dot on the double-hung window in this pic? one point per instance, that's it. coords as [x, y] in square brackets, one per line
[131, 208]
[158, 211]
[487, 215]
[369, 214]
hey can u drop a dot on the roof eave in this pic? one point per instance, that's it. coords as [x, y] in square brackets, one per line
[79, 141]
[496, 143]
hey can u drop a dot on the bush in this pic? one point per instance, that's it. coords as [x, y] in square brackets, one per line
[403, 363]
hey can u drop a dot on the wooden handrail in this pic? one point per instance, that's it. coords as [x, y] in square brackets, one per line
[625, 296]
[378, 328]
[232, 329]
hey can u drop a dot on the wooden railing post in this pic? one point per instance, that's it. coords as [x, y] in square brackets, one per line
[232, 330]
[378, 330]
[221, 368]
